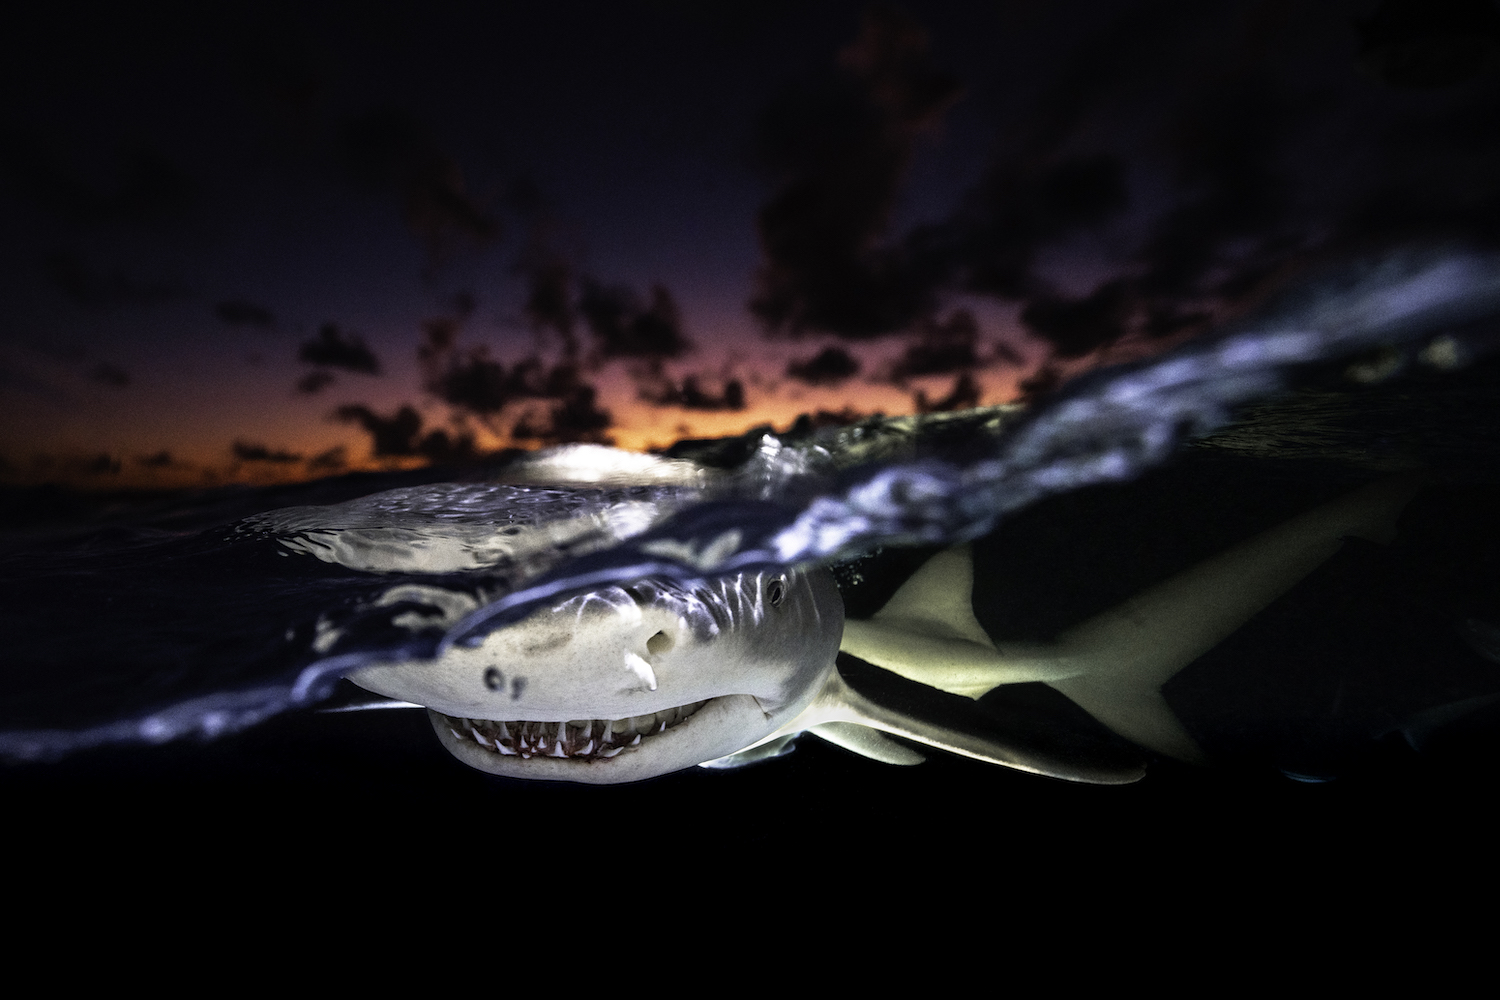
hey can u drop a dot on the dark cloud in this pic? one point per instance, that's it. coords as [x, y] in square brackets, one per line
[841, 147]
[547, 269]
[335, 349]
[102, 464]
[829, 366]
[469, 379]
[806, 423]
[941, 348]
[660, 390]
[248, 451]
[990, 243]
[387, 148]
[473, 381]
[1040, 383]
[549, 301]
[332, 460]
[146, 186]
[578, 418]
[1075, 327]
[237, 312]
[391, 436]
[625, 327]
[161, 460]
[1005, 354]
[76, 280]
[400, 435]
[964, 395]
[110, 375]
[315, 381]
[1226, 148]
[1189, 153]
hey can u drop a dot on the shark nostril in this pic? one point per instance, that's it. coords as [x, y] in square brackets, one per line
[659, 644]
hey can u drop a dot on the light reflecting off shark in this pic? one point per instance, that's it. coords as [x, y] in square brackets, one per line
[623, 684]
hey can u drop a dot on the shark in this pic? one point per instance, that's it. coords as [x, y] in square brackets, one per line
[628, 683]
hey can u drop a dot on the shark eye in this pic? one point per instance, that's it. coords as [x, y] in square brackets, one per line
[776, 591]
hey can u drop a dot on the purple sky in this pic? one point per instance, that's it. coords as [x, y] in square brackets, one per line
[265, 243]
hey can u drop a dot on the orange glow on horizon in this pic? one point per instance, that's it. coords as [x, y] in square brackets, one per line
[286, 447]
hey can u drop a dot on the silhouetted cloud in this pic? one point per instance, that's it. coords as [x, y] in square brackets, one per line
[102, 464]
[842, 146]
[625, 327]
[394, 435]
[161, 460]
[400, 435]
[990, 243]
[76, 280]
[388, 148]
[110, 375]
[1075, 327]
[578, 418]
[964, 395]
[548, 270]
[335, 349]
[249, 451]
[829, 366]
[332, 460]
[1040, 383]
[469, 379]
[659, 389]
[941, 348]
[237, 312]
[1232, 180]
[315, 381]
[809, 422]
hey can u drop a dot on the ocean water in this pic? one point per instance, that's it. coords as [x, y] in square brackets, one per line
[188, 644]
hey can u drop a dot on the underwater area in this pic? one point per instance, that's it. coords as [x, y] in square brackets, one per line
[169, 658]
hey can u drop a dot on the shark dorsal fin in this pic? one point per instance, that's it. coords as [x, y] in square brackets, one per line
[937, 599]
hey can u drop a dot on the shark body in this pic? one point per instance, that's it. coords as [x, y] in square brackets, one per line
[629, 683]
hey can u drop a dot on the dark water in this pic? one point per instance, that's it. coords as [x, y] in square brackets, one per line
[165, 657]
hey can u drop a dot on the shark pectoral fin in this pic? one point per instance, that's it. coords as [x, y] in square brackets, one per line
[948, 722]
[770, 750]
[867, 742]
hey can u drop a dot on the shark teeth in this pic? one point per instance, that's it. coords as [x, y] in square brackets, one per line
[586, 739]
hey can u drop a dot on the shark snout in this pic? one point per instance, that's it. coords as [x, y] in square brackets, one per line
[688, 674]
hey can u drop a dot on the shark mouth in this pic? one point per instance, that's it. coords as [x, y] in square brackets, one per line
[584, 739]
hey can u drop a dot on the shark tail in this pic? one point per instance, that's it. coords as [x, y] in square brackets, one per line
[1113, 665]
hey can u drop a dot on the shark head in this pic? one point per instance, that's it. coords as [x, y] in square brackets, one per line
[627, 683]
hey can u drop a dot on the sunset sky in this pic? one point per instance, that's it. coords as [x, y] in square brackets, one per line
[265, 242]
